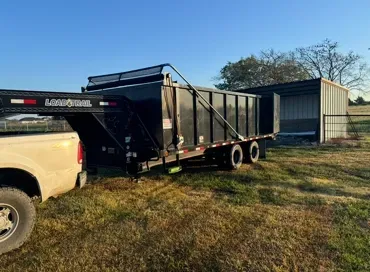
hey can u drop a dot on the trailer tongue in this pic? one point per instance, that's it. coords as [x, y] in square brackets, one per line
[105, 123]
[141, 118]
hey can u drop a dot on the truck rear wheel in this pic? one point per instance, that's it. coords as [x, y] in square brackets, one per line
[17, 218]
[253, 152]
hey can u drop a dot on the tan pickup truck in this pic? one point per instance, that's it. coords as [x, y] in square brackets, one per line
[43, 165]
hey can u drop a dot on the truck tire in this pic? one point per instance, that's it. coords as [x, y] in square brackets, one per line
[235, 157]
[253, 152]
[17, 218]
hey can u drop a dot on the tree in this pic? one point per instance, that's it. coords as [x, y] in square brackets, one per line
[350, 102]
[320, 60]
[270, 67]
[324, 60]
[360, 100]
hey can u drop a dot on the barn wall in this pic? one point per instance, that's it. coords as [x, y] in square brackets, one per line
[334, 101]
[299, 104]
[299, 113]
[299, 107]
[303, 104]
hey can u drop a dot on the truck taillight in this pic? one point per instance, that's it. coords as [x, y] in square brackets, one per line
[80, 153]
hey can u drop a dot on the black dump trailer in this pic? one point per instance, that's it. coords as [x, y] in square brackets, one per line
[138, 119]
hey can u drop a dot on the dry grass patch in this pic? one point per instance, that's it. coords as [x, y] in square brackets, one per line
[365, 109]
[160, 226]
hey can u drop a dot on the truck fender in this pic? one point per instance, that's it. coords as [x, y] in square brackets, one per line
[15, 161]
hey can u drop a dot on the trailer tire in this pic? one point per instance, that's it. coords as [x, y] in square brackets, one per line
[253, 152]
[235, 157]
[17, 218]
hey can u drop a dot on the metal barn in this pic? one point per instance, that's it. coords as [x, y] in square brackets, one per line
[304, 105]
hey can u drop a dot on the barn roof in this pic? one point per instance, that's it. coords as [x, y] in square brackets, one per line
[311, 86]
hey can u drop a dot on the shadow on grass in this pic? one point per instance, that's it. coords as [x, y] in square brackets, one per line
[276, 183]
[281, 180]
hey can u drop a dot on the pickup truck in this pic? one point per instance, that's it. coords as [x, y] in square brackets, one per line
[34, 166]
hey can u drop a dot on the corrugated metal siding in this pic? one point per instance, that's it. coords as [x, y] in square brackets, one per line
[299, 107]
[334, 101]
[299, 113]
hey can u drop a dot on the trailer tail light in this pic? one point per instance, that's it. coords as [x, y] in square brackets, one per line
[23, 101]
[80, 153]
[106, 103]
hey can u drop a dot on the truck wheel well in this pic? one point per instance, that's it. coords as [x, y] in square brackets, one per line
[21, 180]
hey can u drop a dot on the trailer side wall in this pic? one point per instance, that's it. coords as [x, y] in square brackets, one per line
[198, 124]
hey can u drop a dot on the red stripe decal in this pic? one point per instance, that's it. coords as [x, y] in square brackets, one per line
[29, 102]
[112, 103]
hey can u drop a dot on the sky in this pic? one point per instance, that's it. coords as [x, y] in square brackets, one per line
[56, 45]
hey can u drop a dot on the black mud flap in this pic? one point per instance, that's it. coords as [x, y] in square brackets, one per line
[81, 179]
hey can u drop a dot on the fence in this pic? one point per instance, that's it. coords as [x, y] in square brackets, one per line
[350, 126]
[31, 126]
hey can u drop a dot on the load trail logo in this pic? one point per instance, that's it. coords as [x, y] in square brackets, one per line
[68, 103]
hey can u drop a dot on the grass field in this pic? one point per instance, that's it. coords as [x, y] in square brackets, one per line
[302, 209]
[359, 109]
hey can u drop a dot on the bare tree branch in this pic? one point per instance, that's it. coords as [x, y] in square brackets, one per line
[325, 60]
[320, 60]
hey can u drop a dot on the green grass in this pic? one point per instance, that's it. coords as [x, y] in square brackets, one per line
[360, 123]
[302, 209]
[351, 236]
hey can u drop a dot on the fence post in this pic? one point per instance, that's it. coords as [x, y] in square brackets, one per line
[324, 125]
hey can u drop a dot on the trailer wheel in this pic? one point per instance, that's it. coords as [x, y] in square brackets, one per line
[17, 218]
[253, 152]
[235, 157]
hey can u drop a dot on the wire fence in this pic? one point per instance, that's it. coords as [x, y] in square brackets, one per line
[346, 127]
[35, 126]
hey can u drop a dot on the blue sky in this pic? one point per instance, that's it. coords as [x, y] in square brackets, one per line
[55, 45]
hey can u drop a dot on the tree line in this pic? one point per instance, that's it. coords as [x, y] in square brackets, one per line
[323, 60]
[358, 101]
